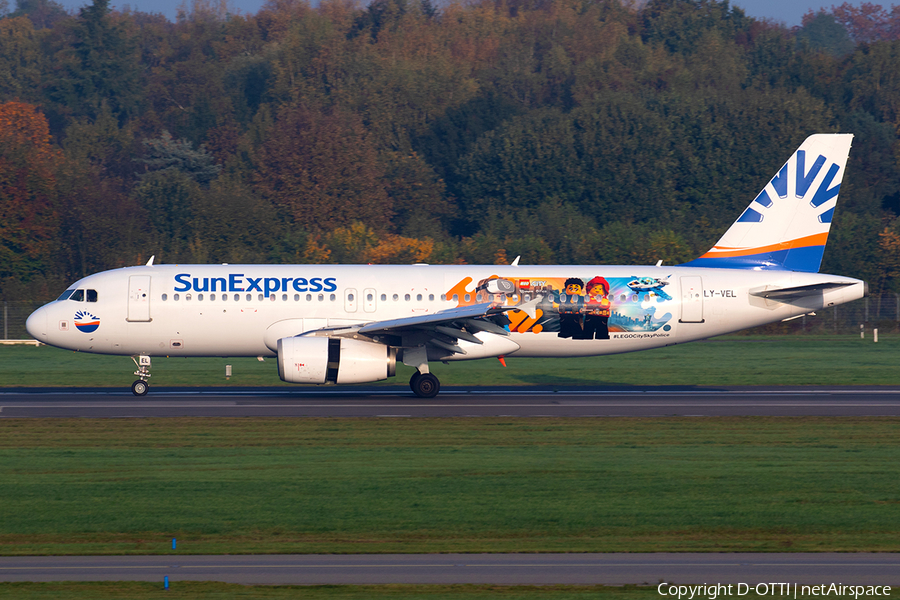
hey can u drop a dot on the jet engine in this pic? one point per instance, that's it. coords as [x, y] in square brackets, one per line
[309, 359]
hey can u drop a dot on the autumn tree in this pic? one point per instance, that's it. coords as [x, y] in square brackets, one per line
[28, 192]
[322, 171]
[868, 22]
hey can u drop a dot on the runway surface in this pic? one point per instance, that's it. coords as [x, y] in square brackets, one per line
[501, 569]
[399, 402]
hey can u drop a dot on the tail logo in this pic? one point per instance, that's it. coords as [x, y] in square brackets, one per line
[802, 182]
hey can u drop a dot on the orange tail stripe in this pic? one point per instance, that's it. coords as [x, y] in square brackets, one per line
[818, 239]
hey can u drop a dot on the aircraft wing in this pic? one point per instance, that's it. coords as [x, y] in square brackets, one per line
[445, 316]
[800, 291]
[442, 329]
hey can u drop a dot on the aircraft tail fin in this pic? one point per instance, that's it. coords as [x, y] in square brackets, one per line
[787, 224]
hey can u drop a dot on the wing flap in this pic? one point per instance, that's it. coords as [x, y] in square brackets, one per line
[484, 309]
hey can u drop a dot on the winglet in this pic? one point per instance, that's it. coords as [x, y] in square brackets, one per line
[529, 308]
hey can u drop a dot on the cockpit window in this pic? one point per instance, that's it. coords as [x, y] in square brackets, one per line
[92, 295]
[65, 295]
[77, 296]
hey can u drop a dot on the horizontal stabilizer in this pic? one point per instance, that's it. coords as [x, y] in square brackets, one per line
[801, 291]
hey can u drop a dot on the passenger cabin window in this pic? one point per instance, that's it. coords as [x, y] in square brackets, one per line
[165, 297]
[92, 295]
[77, 296]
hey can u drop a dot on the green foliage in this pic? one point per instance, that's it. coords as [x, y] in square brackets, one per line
[96, 63]
[21, 60]
[586, 131]
[169, 198]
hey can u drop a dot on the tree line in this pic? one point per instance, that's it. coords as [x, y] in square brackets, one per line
[564, 131]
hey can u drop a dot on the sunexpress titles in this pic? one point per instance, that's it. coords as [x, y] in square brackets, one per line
[238, 282]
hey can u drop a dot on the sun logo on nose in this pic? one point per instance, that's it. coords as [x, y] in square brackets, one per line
[86, 322]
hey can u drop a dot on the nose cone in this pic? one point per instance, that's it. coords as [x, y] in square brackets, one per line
[37, 325]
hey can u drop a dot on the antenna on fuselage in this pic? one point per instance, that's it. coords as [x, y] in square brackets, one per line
[150, 262]
[515, 263]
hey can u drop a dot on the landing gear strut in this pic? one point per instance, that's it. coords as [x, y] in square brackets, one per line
[424, 385]
[141, 387]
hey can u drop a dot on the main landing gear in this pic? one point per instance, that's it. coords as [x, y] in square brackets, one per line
[141, 387]
[424, 385]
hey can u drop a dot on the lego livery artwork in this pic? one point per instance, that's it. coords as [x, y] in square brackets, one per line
[577, 308]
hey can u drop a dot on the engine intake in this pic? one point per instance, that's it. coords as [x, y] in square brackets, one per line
[311, 359]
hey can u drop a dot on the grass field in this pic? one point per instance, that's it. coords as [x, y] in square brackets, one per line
[730, 360]
[221, 591]
[449, 485]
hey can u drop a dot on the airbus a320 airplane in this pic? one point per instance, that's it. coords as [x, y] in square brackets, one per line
[352, 323]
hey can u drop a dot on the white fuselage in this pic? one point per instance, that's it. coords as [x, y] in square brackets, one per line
[242, 310]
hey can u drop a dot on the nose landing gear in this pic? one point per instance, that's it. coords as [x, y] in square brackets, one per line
[141, 387]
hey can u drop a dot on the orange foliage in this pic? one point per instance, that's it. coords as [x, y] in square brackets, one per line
[360, 244]
[395, 249]
[28, 219]
[24, 129]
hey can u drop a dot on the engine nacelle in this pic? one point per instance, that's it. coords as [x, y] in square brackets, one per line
[309, 359]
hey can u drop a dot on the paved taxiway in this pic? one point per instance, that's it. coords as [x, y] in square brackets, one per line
[501, 569]
[338, 401]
